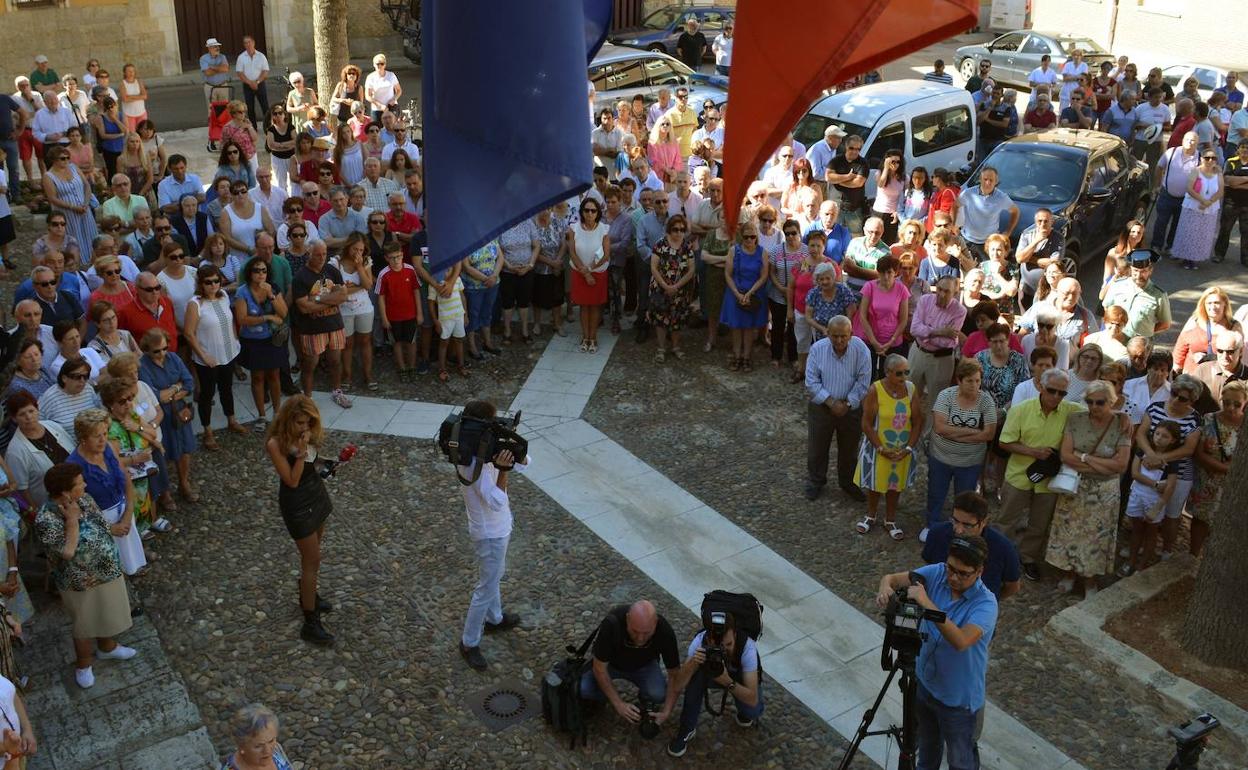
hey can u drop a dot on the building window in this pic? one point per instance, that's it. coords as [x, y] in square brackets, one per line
[35, 3]
[1163, 7]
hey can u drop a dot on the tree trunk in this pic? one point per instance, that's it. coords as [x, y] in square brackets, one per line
[1215, 630]
[329, 35]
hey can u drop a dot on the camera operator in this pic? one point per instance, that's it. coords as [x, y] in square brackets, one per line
[1002, 572]
[952, 666]
[734, 668]
[489, 526]
[631, 640]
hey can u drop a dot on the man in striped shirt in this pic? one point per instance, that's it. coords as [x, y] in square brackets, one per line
[838, 373]
[938, 74]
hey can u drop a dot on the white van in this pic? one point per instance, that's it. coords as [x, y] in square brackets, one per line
[931, 123]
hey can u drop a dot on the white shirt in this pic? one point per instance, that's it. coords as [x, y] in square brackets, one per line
[715, 135]
[272, 202]
[383, 89]
[251, 66]
[283, 240]
[487, 506]
[1139, 397]
[412, 151]
[723, 51]
[49, 122]
[688, 207]
[1038, 75]
[1024, 391]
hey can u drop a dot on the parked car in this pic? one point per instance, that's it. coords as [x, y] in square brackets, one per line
[1015, 54]
[618, 73]
[931, 123]
[1207, 77]
[660, 30]
[1087, 178]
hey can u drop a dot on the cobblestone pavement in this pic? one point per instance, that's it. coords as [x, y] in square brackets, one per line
[737, 442]
[398, 568]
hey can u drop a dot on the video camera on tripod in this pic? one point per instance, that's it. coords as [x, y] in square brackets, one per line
[902, 618]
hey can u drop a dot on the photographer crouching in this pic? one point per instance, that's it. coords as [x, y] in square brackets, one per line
[716, 659]
[952, 665]
[631, 641]
[489, 525]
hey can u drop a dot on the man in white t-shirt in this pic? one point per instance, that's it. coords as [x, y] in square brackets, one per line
[1044, 75]
[381, 88]
[401, 142]
[711, 130]
[606, 140]
[252, 67]
[489, 526]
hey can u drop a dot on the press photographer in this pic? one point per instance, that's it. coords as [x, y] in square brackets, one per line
[716, 659]
[482, 470]
[952, 664]
[631, 641]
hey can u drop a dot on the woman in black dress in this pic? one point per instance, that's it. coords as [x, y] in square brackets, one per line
[304, 501]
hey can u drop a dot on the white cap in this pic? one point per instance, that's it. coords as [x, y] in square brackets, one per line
[834, 130]
[212, 43]
[41, 59]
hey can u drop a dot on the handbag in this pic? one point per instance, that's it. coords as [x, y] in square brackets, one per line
[1066, 482]
[279, 333]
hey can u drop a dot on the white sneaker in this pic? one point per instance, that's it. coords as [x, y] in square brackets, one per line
[85, 677]
[923, 535]
[120, 652]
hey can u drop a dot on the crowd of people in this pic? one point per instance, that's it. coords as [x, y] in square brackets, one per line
[927, 341]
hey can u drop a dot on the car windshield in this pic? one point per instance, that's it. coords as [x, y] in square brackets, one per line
[811, 127]
[1088, 45]
[1031, 174]
[661, 19]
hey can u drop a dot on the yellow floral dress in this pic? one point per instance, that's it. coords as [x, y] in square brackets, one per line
[894, 420]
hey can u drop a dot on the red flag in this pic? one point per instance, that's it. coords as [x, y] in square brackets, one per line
[786, 53]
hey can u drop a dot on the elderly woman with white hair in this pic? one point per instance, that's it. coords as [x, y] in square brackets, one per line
[254, 730]
[828, 299]
[1096, 447]
[892, 424]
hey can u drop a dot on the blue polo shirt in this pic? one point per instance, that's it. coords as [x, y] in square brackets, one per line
[956, 679]
[838, 240]
[208, 60]
[170, 190]
[1002, 565]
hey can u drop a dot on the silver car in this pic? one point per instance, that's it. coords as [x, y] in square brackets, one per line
[619, 73]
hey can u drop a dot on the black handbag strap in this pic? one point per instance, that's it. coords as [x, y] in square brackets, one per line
[580, 651]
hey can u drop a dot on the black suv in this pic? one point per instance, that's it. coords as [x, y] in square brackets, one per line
[1087, 178]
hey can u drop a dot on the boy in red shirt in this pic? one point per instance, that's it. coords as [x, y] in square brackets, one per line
[398, 301]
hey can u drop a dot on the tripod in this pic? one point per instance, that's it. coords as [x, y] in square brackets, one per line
[906, 735]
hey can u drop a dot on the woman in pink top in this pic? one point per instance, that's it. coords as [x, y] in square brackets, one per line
[883, 314]
[802, 280]
[664, 153]
[890, 182]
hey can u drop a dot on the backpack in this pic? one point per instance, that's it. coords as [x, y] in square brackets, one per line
[747, 612]
[561, 696]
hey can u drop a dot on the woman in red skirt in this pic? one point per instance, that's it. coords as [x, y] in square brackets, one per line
[591, 251]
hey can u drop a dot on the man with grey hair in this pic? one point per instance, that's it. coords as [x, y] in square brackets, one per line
[1226, 365]
[29, 317]
[339, 222]
[123, 204]
[57, 304]
[51, 123]
[1138, 349]
[377, 186]
[863, 253]
[822, 152]
[937, 332]
[838, 373]
[1032, 433]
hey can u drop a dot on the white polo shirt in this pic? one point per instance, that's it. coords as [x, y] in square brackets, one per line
[251, 66]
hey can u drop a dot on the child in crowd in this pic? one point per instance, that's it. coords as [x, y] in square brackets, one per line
[449, 323]
[1151, 489]
[398, 301]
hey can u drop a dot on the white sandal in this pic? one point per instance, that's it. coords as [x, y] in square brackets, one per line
[894, 531]
[864, 526]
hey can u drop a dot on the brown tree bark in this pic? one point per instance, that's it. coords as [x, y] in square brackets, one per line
[1215, 630]
[329, 35]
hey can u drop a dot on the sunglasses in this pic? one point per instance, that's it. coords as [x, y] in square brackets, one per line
[1210, 157]
[376, 221]
[1056, 392]
[109, 273]
[296, 209]
[259, 271]
[177, 255]
[750, 237]
[211, 282]
[902, 372]
[766, 220]
[45, 284]
[154, 351]
[79, 377]
[791, 233]
[165, 229]
[56, 224]
[149, 288]
[677, 230]
[1095, 401]
[373, 131]
[589, 211]
[298, 235]
[313, 193]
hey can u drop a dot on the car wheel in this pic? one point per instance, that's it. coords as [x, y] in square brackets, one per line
[1070, 262]
[967, 68]
[657, 48]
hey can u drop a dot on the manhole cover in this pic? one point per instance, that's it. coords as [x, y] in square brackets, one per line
[503, 704]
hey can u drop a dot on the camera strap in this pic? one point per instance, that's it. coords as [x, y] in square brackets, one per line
[580, 651]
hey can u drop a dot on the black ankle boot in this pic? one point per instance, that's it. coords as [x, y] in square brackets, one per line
[313, 631]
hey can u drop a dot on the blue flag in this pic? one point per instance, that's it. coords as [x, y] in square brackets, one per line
[506, 114]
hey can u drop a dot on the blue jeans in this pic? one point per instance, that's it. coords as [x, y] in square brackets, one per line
[487, 602]
[695, 692]
[1168, 209]
[13, 162]
[939, 475]
[481, 304]
[650, 680]
[945, 731]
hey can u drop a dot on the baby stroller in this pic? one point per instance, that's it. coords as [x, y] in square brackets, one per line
[218, 113]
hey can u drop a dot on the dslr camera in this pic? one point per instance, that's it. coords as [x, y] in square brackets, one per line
[646, 725]
[464, 438]
[713, 644]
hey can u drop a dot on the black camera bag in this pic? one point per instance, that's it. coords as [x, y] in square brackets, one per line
[464, 439]
[562, 707]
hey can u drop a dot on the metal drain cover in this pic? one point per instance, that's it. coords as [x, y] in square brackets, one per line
[504, 703]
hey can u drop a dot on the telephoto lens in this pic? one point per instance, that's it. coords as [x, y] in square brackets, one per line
[646, 726]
